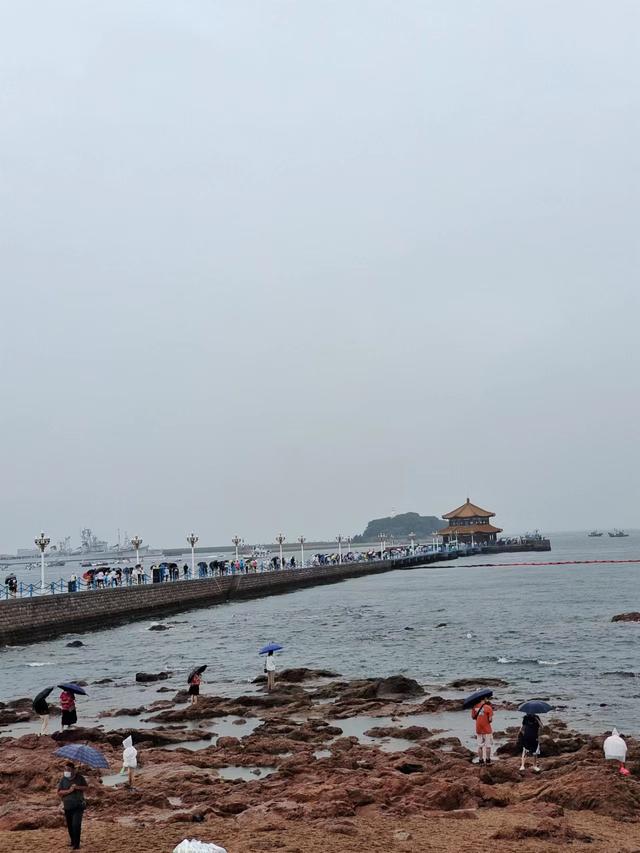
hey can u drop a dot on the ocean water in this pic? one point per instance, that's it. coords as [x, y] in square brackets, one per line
[546, 630]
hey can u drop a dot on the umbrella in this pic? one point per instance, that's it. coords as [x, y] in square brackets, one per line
[73, 688]
[535, 706]
[83, 754]
[474, 698]
[42, 695]
[270, 647]
[197, 671]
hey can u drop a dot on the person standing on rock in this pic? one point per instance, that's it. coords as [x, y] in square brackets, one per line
[68, 707]
[41, 708]
[194, 687]
[529, 740]
[482, 713]
[71, 790]
[129, 759]
[270, 669]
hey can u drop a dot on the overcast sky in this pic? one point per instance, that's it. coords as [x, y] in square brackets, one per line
[281, 265]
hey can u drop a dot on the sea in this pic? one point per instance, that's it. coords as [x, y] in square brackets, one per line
[546, 630]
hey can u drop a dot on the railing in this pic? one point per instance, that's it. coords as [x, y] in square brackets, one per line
[127, 579]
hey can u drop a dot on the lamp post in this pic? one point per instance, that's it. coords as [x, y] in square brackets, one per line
[237, 541]
[412, 540]
[280, 539]
[136, 543]
[339, 539]
[348, 541]
[301, 540]
[42, 541]
[192, 539]
[382, 537]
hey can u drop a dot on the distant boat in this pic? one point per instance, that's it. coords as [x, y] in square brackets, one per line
[595, 533]
[618, 534]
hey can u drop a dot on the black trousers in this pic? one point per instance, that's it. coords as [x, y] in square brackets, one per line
[74, 825]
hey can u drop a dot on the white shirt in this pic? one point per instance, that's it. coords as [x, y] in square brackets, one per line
[270, 665]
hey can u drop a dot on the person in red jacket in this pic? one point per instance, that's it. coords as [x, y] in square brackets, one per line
[483, 715]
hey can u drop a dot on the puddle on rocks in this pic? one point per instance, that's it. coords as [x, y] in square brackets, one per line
[245, 774]
[322, 753]
[112, 780]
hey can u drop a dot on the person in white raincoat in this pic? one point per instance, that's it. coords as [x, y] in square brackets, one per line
[615, 749]
[129, 759]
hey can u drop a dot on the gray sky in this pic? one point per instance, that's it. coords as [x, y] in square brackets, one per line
[289, 266]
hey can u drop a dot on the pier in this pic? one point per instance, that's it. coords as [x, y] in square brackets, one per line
[26, 620]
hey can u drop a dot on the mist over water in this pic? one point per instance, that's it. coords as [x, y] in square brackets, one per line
[546, 630]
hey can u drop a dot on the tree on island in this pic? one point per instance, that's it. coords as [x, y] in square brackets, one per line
[400, 526]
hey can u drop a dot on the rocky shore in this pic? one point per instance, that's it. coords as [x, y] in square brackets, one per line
[321, 764]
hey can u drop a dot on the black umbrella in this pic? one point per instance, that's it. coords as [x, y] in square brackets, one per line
[73, 688]
[197, 671]
[42, 695]
[535, 706]
[474, 698]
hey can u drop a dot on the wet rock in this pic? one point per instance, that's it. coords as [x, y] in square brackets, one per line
[551, 830]
[75, 644]
[104, 681]
[297, 675]
[626, 617]
[410, 733]
[145, 677]
[8, 717]
[123, 712]
[159, 628]
[409, 767]
[441, 625]
[460, 683]
[228, 743]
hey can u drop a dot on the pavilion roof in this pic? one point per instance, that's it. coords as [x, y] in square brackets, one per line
[469, 510]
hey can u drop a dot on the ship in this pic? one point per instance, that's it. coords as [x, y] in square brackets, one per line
[618, 534]
[595, 533]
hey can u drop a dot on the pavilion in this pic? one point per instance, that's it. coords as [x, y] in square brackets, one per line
[470, 524]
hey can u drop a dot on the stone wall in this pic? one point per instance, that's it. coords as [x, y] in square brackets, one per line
[27, 620]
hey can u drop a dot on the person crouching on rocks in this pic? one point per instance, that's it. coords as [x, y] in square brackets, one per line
[194, 687]
[482, 713]
[129, 759]
[529, 740]
[270, 669]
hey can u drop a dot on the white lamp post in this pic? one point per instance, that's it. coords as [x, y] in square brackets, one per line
[192, 539]
[301, 540]
[280, 539]
[42, 541]
[136, 542]
[382, 537]
[412, 540]
[236, 541]
[339, 539]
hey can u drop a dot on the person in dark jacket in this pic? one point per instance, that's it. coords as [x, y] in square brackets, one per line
[529, 740]
[41, 708]
[71, 790]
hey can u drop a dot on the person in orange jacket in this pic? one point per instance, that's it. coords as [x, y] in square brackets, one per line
[482, 713]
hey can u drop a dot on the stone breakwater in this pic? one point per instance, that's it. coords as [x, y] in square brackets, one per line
[310, 786]
[27, 620]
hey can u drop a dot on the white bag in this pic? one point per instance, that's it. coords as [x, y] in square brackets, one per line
[615, 748]
[194, 846]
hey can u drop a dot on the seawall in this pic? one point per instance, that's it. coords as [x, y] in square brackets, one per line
[27, 620]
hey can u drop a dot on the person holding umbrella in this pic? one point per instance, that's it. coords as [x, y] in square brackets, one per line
[270, 663]
[68, 703]
[482, 713]
[194, 681]
[71, 790]
[41, 708]
[529, 735]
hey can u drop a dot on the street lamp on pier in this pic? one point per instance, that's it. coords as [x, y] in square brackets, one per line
[237, 541]
[136, 542]
[339, 539]
[382, 537]
[301, 540]
[42, 541]
[412, 540]
[192, 539]
[280, 539]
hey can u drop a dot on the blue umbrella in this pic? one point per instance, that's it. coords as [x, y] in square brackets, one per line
[73, 688]
[270, 647]
[474, 698]
[535, 706]
[83, 754]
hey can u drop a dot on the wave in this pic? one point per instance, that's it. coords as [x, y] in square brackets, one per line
[549, 662]
[621, 673]
[38, 663]
[539, 661]
[505, 660]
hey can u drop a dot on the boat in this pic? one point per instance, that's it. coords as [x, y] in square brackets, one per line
[595, 533]
[618, 534]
